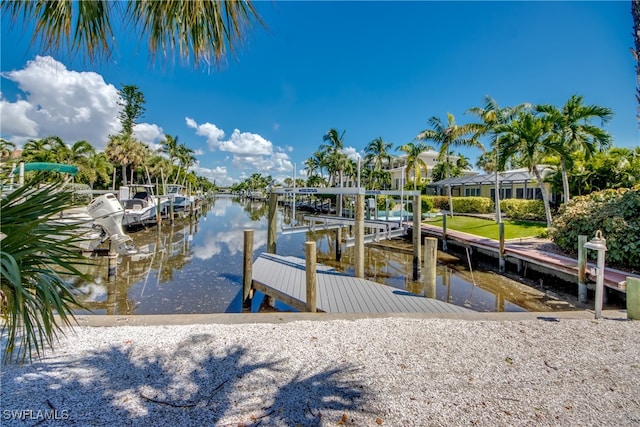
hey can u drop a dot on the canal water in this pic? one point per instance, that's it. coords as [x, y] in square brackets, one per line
[196, 267]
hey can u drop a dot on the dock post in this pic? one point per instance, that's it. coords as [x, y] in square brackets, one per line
[338, 243]
[444, 232]
[359, 237]
[171, 211]
[430, 262]
[633, 298]
[582, 269]
[501, 263]
[272, 223]
[417, 233]
[247, 271]
[310, 258]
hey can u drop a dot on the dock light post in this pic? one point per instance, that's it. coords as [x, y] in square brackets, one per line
[598, 243]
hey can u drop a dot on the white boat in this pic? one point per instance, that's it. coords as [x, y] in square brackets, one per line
[182, 202]
[142, 208]
[95, 223]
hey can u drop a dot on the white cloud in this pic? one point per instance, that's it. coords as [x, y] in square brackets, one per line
[250, 151]
[218, 174]
[149, 134]
[351, 153]
[70, 104]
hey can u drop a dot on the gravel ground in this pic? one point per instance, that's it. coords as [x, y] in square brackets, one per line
[366, 372]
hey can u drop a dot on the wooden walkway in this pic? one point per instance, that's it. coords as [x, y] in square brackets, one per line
[283, 278]
[614, 279]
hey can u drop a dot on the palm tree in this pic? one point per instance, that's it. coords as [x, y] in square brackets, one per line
[170, 147]
[36, 302]
[573, 132]
[6, 148]
[449, 136]
[118, 150]
[414, 163]
[204, 30]
[531, 137]
[377, 153]
[491, 115]
[186, 158]
[48, 149]
[97, 167]
[333, 151]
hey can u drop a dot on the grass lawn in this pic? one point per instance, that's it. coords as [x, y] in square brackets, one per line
[489, 228]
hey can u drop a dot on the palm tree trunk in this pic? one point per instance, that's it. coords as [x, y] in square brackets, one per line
[124, 174]
[449, 191]
[565, 182]
[545, 197]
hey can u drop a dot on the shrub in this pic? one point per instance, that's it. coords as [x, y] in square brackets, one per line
[427, 203]
[615, 212]
[523, 209]
[461, 204]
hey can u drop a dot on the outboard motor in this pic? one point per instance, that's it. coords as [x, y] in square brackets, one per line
[107, 212]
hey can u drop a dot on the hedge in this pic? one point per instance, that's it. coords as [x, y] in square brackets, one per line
[462, 204]
[523, 209]
[615, 212]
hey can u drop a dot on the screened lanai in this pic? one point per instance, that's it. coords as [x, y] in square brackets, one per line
[514, 184]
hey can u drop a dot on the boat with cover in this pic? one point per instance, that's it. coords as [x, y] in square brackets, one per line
[142, 208]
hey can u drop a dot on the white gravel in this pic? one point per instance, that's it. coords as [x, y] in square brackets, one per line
[367, 372]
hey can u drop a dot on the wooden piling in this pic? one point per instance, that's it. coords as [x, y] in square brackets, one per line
[417, 233]
[430, 263]
[310, 258]
[359, 237]
[272, 223]
[247, 271]
[501, 262]
[338, 243]
[582, 269]
[633, 298]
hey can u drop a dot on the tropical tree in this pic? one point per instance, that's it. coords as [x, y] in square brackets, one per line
[186, 158]
[35, 301]
[448, 136]
[96, 167]
[6, 148]
[170, 147]
[377, 153]
[414, 164]
[132, 103]
[48, 149]
[573, 131]
[203, 30]
[335, 158]
[531, 137]
[491, 116]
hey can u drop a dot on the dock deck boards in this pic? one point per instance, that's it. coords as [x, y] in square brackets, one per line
[613, 278]
[283, 277]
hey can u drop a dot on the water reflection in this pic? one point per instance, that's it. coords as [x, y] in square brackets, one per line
[196, 268]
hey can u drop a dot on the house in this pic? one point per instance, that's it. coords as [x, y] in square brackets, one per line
[513, 184]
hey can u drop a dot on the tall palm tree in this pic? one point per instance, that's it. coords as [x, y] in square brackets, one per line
[450, 135]
[574, 132]
[491, 115]
[531, 137]
[204, 30]
[170, 147]
[414, 164]
[119, 150]
[377, 153]
[333, 150]
[186, 159]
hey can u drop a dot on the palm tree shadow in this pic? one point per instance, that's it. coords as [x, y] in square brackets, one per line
[195, 384]
[304, 399]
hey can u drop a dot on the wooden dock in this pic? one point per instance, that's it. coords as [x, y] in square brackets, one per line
[283, 278]
[614, 279]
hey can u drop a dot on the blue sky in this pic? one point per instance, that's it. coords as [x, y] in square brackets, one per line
[374, 69]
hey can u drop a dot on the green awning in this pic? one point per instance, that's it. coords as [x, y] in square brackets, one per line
[49, 167]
